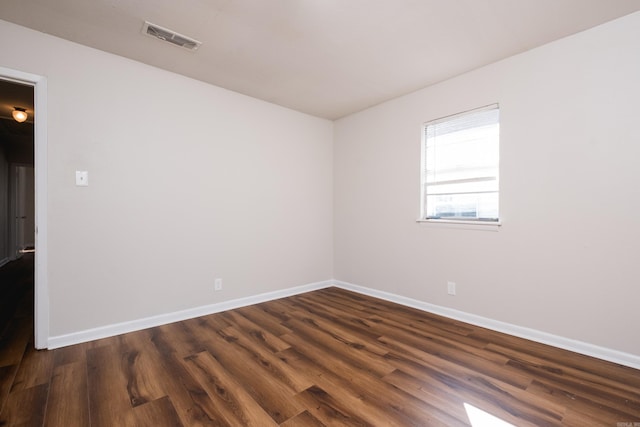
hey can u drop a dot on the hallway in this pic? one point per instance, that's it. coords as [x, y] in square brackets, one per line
[16, 294]
[16, 320]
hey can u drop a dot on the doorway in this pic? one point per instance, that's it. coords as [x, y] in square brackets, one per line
[17, 196]
[23, 193]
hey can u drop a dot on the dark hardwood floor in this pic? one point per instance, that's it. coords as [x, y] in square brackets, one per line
[325, 358]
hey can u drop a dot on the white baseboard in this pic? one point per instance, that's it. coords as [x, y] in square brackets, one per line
[581, 347]
[162, 319]
[599, 352]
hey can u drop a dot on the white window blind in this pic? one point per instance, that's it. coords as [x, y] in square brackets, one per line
[460, 173]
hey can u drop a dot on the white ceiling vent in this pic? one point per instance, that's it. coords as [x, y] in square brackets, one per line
[170, 36]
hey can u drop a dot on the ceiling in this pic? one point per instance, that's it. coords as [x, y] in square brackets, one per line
[328, 58]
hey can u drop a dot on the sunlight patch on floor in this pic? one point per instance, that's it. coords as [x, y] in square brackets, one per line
[480, 418]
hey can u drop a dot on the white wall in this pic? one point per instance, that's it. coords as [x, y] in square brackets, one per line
[565, 260]
[188, 182]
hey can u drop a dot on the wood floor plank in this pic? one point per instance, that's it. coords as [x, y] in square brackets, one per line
[454, 350]
[430, 333]
[546, 352]
[584, 401]
[139, 369]
[71, 354]
[109, 403]
[397, 407]
[260, 355]
[618, 399]
[303, 419]
[261, 383]
[35, 369]
[579, 418]
[403, 315]
[13, 343]
[445, 358]
[7, 375]
[25, 407]
[482, 391]
[256, 333]
[604, 389]
[182, 342]
[352, 353]
[329, 326]
[362, 402]
[207, 325]
[199, 329]
[157, 413]
[278, 309]
[192, 403]
[439, 398]
[235, 403]
[418, 319]
[347, 320]
[68, 396]
[329, 410]
[16, 291]
[258, 315]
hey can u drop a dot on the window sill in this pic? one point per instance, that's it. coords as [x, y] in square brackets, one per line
[461, 224]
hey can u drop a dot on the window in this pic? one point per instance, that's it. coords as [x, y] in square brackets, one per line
[460, 158]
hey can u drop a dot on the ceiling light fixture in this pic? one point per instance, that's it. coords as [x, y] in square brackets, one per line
[19, 114]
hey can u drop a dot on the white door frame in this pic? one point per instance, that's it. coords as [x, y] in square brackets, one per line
[41, 289]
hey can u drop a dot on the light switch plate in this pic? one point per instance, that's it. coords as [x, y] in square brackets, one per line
[82, 178]
[451, 288]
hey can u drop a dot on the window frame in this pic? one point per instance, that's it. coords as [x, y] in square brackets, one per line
[455, 221]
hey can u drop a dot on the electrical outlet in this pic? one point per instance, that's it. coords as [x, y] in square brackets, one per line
[217, 284]
[451, 288]
[82, 178]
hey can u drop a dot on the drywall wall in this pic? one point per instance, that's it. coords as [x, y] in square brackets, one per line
[565, 260]
[187, 182]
